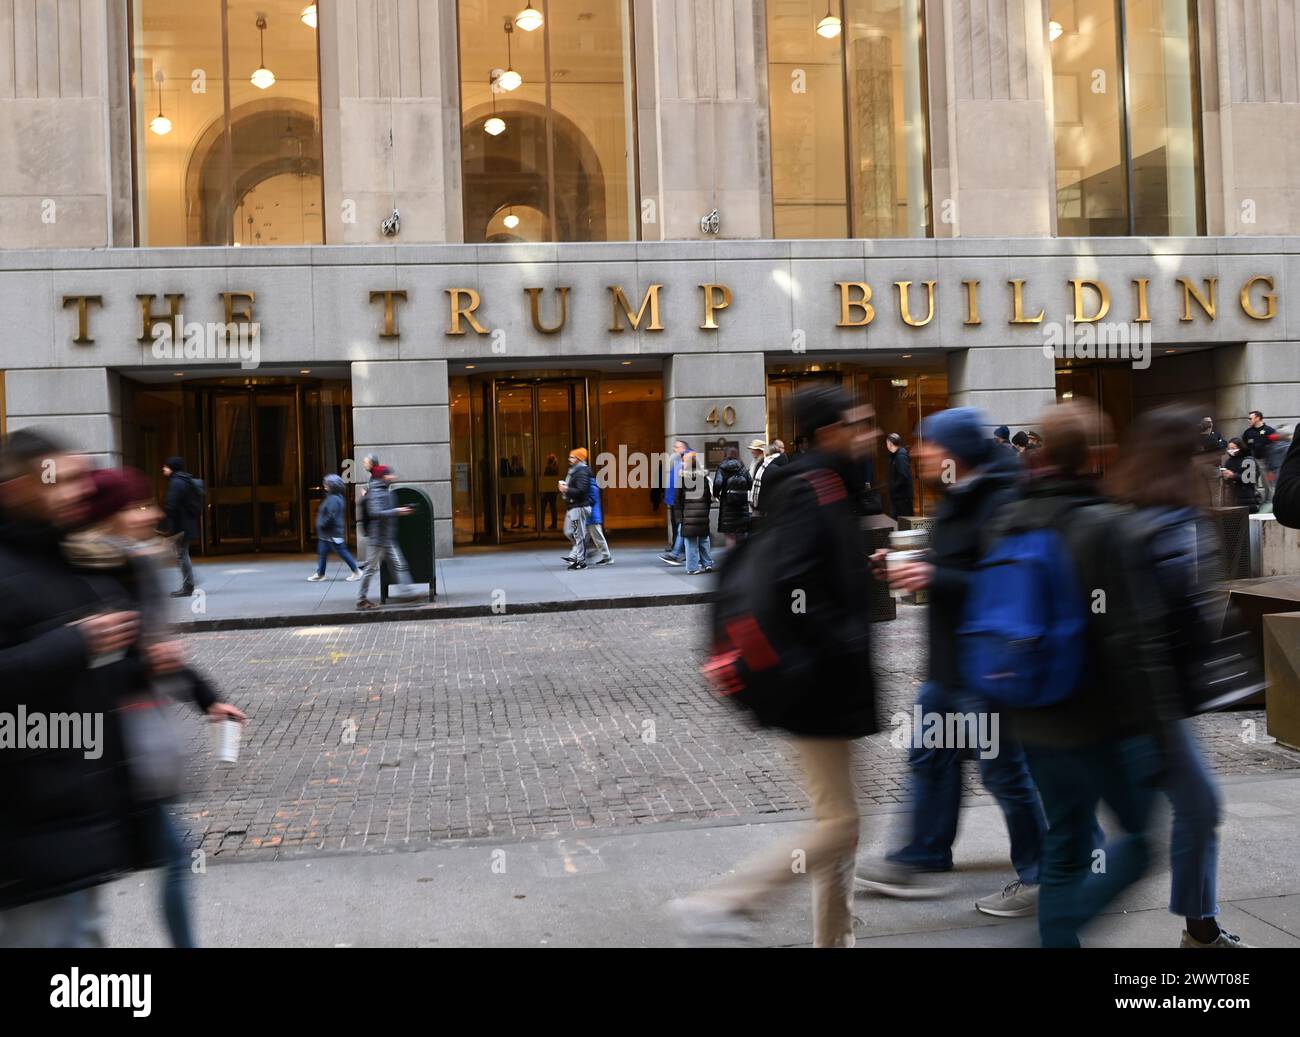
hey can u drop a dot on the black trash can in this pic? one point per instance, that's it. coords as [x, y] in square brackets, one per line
[415, 538]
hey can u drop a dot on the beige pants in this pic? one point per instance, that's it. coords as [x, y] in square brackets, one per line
[826, 855]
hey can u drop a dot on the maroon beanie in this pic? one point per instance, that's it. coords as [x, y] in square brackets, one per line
[116, 489]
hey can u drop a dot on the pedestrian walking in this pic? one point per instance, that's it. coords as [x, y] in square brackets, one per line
[576, 489]
[183, 508]
[676, 554]
[67, 822]
[900, 477]
[119, 543]
[1240, 474]
[382, 516]
[696, 496]
[1153, 476]
[331, 531]
[1103, 740]
[595, 525]
[731, 488]
[812, 676]
[975, 479]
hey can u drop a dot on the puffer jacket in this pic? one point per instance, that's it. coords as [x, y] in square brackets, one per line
[329, 516]
[731, 486]
[696, 500]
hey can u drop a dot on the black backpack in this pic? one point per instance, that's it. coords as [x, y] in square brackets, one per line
[196, 497]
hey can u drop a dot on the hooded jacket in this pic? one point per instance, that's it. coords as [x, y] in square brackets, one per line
[695, 499]
[180, 491]
[731, 486]
[577, 485]
[330, 515]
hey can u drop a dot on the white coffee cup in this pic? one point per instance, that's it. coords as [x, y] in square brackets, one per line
[896, 560]
[228, 734]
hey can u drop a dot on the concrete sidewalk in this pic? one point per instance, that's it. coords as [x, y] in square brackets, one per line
[261, 591]
[609, 890]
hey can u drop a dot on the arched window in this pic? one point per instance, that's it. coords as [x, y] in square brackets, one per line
[227, 122]
[846, 88]
[547, 126]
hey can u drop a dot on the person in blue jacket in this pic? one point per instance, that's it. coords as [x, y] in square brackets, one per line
[595, 525]
[331, 535]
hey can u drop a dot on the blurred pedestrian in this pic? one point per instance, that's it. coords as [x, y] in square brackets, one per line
[1104, 741]
[696, 497]
[1286, 498]
[1240, 474]
[731, 487]
[673, 499]
[1154, 476]
[119, 543]
[1211, 441]
[331, 531]
[576, 488]
[183, 508]
[811, 670]
[976, 479]
[382, 515]
[66, 818]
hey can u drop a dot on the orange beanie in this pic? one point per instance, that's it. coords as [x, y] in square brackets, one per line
[579, 453]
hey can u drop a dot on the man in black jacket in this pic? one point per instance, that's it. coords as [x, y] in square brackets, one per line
[1258, 439]
[182, 508]
[977, 479]
[900, 477]
[814, 551]
[65, 811]
[575, 489]
[1103, 743]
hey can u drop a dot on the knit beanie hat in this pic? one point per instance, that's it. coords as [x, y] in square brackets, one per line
[580, 453]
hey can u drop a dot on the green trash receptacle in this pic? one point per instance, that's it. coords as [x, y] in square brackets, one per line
[415, 538]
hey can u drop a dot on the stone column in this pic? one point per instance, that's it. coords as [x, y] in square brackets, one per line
[390, 66]
[80, 405]
[400, 411]
[1263, 376]
[1011, 385]
[702, 104]
[994, 169]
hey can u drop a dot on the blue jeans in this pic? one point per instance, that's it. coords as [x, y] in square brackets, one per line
[1194, 844]
[697, 553]
[325, 547]
[936, 793]
[1077, 880]
[166, 845]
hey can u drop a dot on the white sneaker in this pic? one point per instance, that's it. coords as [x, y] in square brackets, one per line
[313, 578]
[354, 577]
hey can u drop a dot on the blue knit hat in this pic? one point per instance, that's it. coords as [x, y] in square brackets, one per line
[960, 431]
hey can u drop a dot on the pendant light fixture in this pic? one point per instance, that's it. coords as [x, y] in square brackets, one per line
[830, 26]
[495, 126]
[529, 18]
[160, 124]
[511, 221]
[1054, 31]
[309, 16]
[263, 78]
[510, 79]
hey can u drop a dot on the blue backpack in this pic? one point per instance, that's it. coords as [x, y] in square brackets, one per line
[1021, 640]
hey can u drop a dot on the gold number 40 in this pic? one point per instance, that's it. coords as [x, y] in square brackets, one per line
[728, 417]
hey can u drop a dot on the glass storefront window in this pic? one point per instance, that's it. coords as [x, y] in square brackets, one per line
[227, 123]
[846, 90]
[547, 121]
[1125, 99]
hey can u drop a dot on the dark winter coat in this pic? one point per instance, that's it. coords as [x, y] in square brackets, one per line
[1286, 495]
[330, 514]
[381, 511]
[731, 486]
[1242, 491]
[817, 556]
[577, 486]
[179, 507]
[695, 497]
[66, 822]
[900, 482]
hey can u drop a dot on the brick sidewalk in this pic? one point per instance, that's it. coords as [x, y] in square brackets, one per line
[399, 735]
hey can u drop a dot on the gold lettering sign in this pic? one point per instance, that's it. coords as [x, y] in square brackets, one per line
[1144, 315]
[390, 311]
[534, 301]
[461, 312]
[83, 319]
[972, 302]
[1190, 292]
[716, 297]
[650, 302]
[1103, 295]
[244, 316]
[848, 304]
[1018, 304]
[149, 319]
[905, 307]
[1270, 298]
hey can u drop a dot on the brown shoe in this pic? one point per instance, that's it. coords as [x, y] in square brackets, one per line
[365, 605]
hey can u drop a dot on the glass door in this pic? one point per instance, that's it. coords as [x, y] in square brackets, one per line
[230, 490]
[535, 423]
[278, 484]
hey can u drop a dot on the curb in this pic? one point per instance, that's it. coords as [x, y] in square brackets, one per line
[427, 612]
